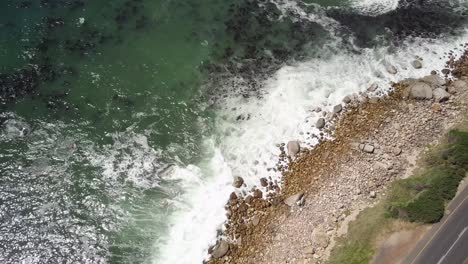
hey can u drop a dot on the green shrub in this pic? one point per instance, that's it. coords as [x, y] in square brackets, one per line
[422, 198]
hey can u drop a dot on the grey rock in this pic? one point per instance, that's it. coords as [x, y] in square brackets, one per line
[293, 199]
[337, 109]
[293, 148]
[368, 148]
[320, 123]
[396, 151]
[460, 84]
[220, 250]
[416, 64]
[238, 181]
[347, 99]
[255, 220]
[420, 91]
[372, 194]
[440, 95]
[435, 81]
[374, 100]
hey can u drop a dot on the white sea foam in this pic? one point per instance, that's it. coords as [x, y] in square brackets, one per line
[374, 7]
[247, 147]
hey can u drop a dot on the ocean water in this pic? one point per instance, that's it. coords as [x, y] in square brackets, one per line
[123, 123]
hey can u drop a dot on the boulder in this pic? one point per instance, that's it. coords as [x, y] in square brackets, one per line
[460, 85]
[391, 69]
[293, 148]
[416, 64]
[372, 194]
[263, 182]
[337, 109]
[293, 199]
[238, 181]
[435, 81]
[440, 95]
[368, 148]
[320, 123]
[420, 91]
[220, 250]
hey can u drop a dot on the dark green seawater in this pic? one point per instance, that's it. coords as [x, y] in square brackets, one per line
[112, 112]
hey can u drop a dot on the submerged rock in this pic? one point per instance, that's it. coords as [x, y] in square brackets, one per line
[238, 181]
[417, 64]
[293, 148]
[391, 69]
[373, 87]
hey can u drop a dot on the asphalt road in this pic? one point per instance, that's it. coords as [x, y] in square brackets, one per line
[447, 241]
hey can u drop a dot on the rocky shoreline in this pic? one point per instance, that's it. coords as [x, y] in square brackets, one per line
[375, 140]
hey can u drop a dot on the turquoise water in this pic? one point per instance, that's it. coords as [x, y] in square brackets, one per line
[100, 101]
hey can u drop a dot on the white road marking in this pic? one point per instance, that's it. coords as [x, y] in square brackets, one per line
[459, 236]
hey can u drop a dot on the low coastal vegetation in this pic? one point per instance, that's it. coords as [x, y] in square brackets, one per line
[419, 199]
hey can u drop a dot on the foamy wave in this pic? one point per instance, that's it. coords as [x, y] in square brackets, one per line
[374, 7]
[249, 129]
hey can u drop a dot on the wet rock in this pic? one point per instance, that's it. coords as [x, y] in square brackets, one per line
[233, 196]
[238, 181]
[320, 123]
[257, 194]
[440, 95]
[220, 250]
[416, 64]
[373, 87]
[293, 199]
[347, 99]
[391, 69]
[263, 182]
[293, 148]
[420, 91]
[337, 109]
[368, 148]
[248, 199]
